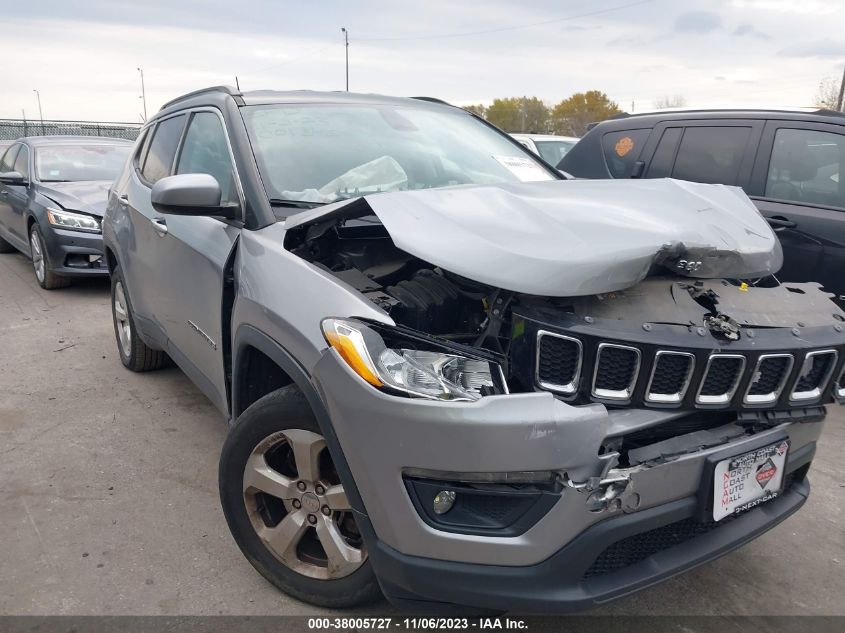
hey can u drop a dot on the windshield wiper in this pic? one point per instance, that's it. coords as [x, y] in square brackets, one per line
[298, 204]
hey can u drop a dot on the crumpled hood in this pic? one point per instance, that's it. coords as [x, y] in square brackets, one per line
[88, 196]
[574, 237]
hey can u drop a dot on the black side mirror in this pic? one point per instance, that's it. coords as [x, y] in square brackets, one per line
[191, 194]
[13, 178]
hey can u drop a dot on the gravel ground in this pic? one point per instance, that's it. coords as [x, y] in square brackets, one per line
[108, 490]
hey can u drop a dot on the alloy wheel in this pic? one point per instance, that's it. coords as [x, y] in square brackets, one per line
[298, 507]
[37, 254]
[121, 316]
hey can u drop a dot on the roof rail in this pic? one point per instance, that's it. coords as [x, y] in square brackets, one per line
[433, 100]
[229, 90]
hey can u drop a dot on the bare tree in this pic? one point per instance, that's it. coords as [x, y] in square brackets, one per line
[828, 93]
[670, 101]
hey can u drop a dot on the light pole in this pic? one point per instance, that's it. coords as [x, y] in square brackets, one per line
[143, 92]
[346, 39]
[40, 113]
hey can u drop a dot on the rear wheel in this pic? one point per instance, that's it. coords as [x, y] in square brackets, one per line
[47, 279]
[134, 353]
[286, 507]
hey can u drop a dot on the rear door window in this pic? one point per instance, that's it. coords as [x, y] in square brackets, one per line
[806, 167]
[621, 150]
[163, 149]
[711, 154]
[664, 155]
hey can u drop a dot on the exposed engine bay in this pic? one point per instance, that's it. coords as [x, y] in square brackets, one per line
[714, 359]
[676, 314]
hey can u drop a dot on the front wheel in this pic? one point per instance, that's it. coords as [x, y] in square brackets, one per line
[46, 278]
[286, 507]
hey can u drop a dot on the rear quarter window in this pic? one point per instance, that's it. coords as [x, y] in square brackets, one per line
[621, 150]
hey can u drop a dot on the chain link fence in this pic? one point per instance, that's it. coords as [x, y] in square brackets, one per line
[13, 129]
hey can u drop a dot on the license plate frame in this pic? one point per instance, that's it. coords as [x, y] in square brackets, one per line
[707, 497]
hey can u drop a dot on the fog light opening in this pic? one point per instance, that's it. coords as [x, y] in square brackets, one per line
[443, 501]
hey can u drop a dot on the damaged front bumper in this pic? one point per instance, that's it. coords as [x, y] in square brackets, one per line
[384, 438]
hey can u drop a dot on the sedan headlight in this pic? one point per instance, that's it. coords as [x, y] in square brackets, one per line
[435, 372]
[73, 221]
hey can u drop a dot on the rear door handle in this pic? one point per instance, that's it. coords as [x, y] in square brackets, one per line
[123, 200]
[160, 225]
[780, 222]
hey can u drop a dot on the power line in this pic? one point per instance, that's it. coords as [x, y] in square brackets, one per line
[504, 28]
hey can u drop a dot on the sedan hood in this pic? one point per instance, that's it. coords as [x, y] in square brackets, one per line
[88, 196]
[576, 237]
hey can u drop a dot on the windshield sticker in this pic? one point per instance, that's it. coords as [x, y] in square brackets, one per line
[623, 146]
[523, 168]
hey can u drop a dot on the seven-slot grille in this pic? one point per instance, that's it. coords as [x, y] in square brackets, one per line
[616, 373]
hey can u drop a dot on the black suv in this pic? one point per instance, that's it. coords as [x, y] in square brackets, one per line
[790, 164]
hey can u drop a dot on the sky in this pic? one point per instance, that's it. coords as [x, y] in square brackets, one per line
[83, 56]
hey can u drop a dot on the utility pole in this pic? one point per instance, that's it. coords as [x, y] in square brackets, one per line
[40, 113]
[841, 93]
[143, 92]
[346, 39]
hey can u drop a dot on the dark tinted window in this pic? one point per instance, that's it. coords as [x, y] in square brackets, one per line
[22, 162]
[711, 154]
[664, 155]
[621, 150]
[8, 161]
[807, 166]
[163, 149]
[205, 151]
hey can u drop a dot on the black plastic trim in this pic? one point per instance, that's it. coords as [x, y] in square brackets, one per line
[248, 336]
[556, 585]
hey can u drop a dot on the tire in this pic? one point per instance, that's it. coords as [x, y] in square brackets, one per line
[5, 247]
[46, 278]
[264, 436]
[134, 353]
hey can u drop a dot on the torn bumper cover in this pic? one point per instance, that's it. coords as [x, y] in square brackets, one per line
[573, 238]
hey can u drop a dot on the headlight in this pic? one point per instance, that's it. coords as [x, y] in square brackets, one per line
[435, 374]
[73, 221]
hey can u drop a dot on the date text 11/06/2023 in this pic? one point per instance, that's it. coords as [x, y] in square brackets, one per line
[419, 623]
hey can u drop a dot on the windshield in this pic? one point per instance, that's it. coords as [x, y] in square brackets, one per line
[553, 151]
[321, 153]
[73, 163]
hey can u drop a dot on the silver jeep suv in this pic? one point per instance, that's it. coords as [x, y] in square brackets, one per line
[453, 376]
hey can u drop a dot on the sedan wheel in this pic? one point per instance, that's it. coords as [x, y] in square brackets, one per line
[298, 508]
[37, 255]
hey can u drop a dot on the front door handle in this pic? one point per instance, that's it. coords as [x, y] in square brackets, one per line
[123, 200]
[160, 225]
[4, 192]
[780, 222]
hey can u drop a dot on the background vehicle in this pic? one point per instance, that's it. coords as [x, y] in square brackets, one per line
[788, 162]
[550, 147]
[428, 393]
[53, 191]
